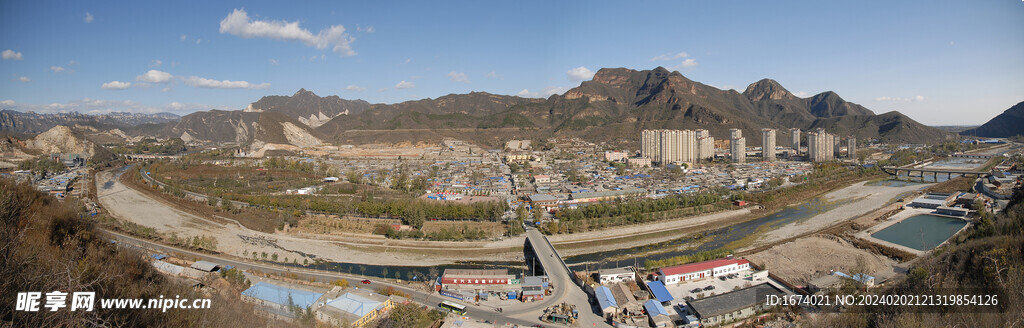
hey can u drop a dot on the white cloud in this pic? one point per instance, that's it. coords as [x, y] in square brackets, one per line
[11, 55]
[368, 29]
[56, 69]
[802, 94]
[200, 82]
[458, 77]
[97, 106]
[24, 79]
[166, 89]
[154, 76]
[667, 57]
[272, 61]
[116, 85]
[912, 99]
[353, 87]
[183, 37]
[156, 63]
[238, 23]
[689, 62]
[7, 102]
[494, 75]
[88, 18]
[580, 73]
[405, 85]
[408, 60]
[544, 93]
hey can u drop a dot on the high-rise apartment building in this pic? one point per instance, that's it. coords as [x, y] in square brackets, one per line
[794, 141]
[820, 146]
[768, 144]
[851, 147]
[669, 146]
[735, 133]
[738, 149]
[705, 147]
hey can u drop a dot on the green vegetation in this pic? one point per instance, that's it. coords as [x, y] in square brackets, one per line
[46, 247]
[42, 165]
[410, 315]
[626, 212]
[462, 233]
[684, 259]
[152, 146]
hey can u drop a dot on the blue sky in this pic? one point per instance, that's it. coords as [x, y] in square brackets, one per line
[940, 62]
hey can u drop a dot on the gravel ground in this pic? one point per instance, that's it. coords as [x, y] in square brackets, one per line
[805, 259]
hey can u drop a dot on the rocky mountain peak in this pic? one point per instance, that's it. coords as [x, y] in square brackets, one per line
[304, 92]
[767, 89]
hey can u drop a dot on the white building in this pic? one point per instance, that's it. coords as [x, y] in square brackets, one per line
[705, 148]
[609, 276]
[700, 270]
[738, 149]
[820, 146]
[794, 141]
[615, 156]
[768, 144]
[669, 146]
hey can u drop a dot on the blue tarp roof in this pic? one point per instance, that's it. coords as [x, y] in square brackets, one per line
[660, 292]
[654, 308]
[605, 298]
[279, 294]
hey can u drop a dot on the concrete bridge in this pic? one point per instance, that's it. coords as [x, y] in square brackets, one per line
[562, 279]
[935, 172]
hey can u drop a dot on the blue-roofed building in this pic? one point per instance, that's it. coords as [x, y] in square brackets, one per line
[605, 300]
[860, 277]
[657, 314]
[660, 292]
[357, 308]
[279, 299]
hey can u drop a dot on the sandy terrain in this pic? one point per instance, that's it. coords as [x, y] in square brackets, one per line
[865, 199]
[805, 259]
[128, 204]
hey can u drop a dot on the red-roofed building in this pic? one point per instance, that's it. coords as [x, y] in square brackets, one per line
[700, 270]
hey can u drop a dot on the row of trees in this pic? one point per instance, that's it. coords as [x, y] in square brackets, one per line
[460, 233]
[413, 212]
[635, 206]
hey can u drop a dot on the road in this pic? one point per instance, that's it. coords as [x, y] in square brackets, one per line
[522, 314]
[559, 275]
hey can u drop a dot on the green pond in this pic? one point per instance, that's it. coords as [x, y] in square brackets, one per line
[921, 232]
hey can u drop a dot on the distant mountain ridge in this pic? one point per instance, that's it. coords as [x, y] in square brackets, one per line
[1007, 124]
[34, 123]
[614, 106]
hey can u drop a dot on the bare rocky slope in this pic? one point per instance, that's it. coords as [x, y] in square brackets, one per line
[1009, 123]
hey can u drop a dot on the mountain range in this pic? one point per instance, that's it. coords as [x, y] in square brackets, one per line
[34, 123]
[614, 106]
[1009, 123]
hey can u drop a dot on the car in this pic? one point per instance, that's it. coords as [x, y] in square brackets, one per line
[366, 281]
[695, 290]
[722, 278]
[712, 287]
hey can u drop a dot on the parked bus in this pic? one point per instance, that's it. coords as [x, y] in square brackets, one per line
[452, 307]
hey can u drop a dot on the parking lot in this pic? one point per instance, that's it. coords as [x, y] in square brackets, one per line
[681, 291]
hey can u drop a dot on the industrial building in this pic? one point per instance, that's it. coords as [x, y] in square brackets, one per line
[356, 308]
[768, 144]
[700, 270]
[479, 281]
[732, 306]
[933, 200]
[280, 300]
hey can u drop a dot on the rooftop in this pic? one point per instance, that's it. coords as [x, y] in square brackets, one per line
[700, 266]
[357, 305]
[733, 301]
[475, 272]
[282, 295]
[605, 298]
